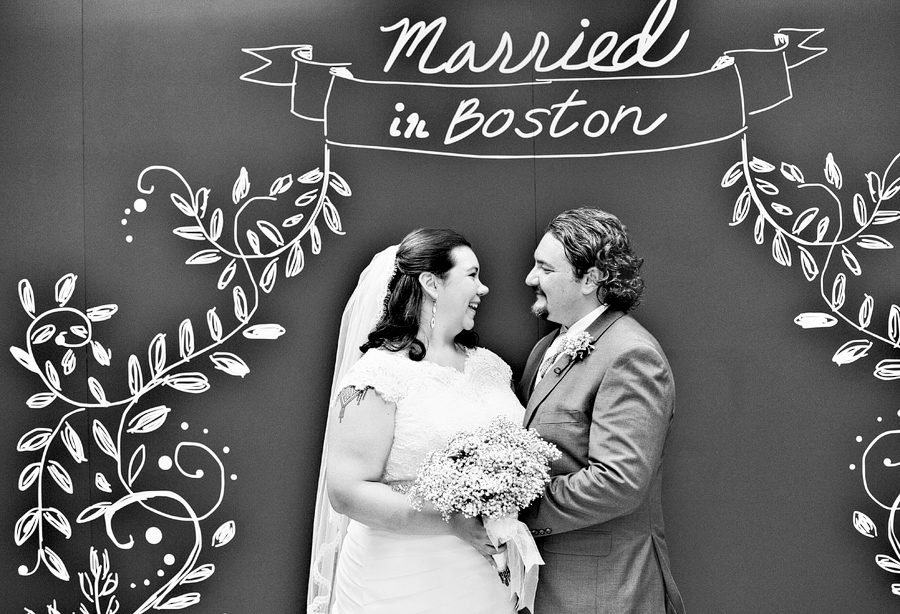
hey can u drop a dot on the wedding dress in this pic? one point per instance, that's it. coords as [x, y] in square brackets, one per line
[379, 572]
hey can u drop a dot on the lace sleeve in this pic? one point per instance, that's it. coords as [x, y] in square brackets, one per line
[380, 370]
[493, 368]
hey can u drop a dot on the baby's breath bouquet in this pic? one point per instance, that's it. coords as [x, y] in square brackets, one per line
[494, 472]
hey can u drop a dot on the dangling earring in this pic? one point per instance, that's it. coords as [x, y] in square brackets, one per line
[433, 312]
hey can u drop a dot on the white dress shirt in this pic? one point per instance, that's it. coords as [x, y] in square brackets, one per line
[578, 327]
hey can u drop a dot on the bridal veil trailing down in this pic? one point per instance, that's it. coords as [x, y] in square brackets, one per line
[329, 527]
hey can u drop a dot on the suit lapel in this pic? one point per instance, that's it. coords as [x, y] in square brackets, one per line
[531, 367]
[555, 375]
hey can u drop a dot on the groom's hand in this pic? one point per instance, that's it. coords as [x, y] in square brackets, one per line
[472, 531]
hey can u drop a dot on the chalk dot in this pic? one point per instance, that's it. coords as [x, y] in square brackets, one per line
[879, 418]
[226, 449]
[160, 573]
[399, 106]
[146, 582]
[23, 570]
[124, 222]
[165, 462]
[140, 205]
[153, 535]
[129, 239]
[184, 426]
[133, 585]
[169, 559]
[198, 473]
[233, 477]
[852, 467]
[858, 438]
[127, 211]
[585, 23]
[887, 462]
[206, 431]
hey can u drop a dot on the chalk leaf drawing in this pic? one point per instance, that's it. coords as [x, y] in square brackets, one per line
[827, 240]
[880, 485]
[277, 247]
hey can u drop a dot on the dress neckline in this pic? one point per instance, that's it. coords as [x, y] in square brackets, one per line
[469, 352]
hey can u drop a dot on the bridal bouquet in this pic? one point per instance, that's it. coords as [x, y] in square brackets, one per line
[494, 472]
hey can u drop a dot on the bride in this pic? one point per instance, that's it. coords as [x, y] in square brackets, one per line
[419, 380]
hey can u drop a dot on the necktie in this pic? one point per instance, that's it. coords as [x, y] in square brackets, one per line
[552, 354]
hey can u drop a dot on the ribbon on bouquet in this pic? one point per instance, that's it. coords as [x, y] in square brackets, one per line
[522, 557]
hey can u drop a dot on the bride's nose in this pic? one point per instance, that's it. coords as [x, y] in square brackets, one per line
[482, 290]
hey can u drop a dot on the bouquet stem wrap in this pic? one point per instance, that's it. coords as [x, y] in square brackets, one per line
[521, 557]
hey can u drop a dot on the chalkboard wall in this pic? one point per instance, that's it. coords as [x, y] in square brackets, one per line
[166, 386]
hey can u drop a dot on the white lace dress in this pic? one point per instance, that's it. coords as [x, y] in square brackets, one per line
[388, 573]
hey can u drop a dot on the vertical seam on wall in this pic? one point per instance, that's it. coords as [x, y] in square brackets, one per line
[83, 161]
[88, 412]
[534, 194]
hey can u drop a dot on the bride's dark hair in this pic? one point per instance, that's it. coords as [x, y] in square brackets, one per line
[426, 250]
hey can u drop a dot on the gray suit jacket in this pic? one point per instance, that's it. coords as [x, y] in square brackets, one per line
[599, 526]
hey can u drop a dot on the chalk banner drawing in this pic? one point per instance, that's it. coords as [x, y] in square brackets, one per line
[560, 119]
[57, 332]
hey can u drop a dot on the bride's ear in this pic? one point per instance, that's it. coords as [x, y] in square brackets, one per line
[428, 281]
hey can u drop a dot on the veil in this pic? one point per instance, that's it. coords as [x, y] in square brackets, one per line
[360, 316]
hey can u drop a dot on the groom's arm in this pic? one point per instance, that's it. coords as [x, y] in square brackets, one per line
[629, 421]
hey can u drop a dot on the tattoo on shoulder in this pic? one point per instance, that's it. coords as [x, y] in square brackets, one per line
[348, 395]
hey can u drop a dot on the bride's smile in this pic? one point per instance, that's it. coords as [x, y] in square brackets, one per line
[460, 292]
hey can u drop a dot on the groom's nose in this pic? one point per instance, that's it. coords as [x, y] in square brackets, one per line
[531, 278]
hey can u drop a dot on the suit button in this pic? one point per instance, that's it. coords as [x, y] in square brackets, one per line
[549, 531]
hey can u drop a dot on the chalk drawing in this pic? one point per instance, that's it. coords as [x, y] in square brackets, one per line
[568, 117]
[828, 236]
[879, 462]
[276, 246]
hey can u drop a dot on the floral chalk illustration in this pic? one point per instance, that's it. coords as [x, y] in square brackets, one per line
[50, 350]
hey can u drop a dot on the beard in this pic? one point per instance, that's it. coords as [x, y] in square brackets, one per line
[540, 309]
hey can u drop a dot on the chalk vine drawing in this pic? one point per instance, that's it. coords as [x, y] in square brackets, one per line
[880, 454]
[822, 238]
[69, 328]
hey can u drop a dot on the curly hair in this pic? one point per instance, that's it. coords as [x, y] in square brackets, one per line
[594, 238]
[425, 250]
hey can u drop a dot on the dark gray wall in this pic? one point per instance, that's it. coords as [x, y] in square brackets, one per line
[764, 467]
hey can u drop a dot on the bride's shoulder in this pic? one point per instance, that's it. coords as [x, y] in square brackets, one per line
[488, 359]
[385, 371]
[379, 358]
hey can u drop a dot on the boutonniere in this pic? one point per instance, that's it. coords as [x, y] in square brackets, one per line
[578, 346]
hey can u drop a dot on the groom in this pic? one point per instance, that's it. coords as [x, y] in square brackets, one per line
[604, 394]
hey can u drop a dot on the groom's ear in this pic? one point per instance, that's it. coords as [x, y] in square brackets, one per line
[591, 280]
